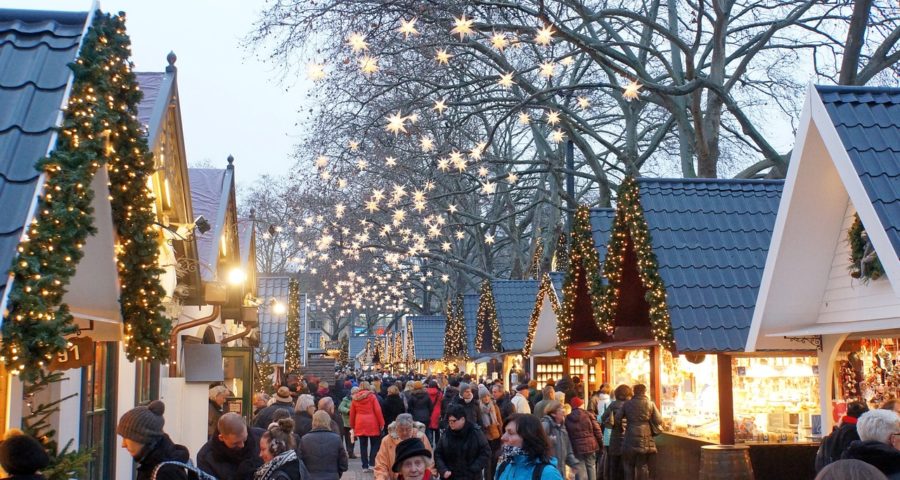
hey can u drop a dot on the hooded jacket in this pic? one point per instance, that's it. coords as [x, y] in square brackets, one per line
[464, 452]
[162, 450]
[366, 419]
[420, 406]
[584, 432]
[216, 459]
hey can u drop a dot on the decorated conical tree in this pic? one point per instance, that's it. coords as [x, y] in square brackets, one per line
[292, 362]
[455, 341]
[344, 356]
[561, 257]
[410, 344]
[534, 270]
[486, 320]
[583, 269]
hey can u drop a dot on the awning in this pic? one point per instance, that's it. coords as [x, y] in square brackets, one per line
[488, 358]
[622, 345]
[553, 353]
[839, 328]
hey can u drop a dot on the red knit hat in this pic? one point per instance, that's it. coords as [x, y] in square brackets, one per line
[576, 402]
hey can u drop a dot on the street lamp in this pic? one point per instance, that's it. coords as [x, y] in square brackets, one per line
[237, 276]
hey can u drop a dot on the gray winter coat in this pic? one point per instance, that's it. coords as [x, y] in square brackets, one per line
[323, 453]
[562, 447]
[638, 413]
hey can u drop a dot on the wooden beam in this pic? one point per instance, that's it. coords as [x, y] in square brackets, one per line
[726, 400]
[656, 375]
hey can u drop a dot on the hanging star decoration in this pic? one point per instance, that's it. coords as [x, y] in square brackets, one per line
[544, 36]
[439, 106]
[442, 56]
[489, 239]
[499, 41]
[524, 118]
[488, 188]
[357, 42]
[462, 26]
[368, 65]
[390, 162]
[632, 90]
[583, 103]
[408, 27]
[548, 69]
[558, 136]
[506, 80]
[512, 178]
[321, 161]
[427, 144]
[553, 117]
[315, 71]
[396, 123]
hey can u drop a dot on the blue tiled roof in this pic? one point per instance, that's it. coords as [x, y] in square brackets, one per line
[470, 310]
[558, 279]
[514, 300]
[868, 121]
[711, 238]
[358, 344]
[601, 227]
[428, 336]
[35, 50]
[272, 327]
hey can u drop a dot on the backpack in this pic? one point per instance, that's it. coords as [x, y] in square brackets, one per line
[192, 471]
[535, 473]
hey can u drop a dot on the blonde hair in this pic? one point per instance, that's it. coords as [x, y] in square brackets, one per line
[393, 390]
[321, 419]
[218, 390]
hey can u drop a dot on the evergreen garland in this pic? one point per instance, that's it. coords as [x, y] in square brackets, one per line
[265, 371]
[99, 126]
[874, 269]
[583, 265]
[292, 362]
[545, 289]
[344, 356]
[630, 223]
[560, 254]
[487, 318]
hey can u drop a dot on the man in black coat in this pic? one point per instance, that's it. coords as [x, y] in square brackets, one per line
[233, 451]
[879, 442]
[463, 451]
[835, 444]
[283, 400]
[503, 402]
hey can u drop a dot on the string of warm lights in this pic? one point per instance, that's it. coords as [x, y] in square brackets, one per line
[545, 290]
[455, 341]
[99, 127]
[583, 269]
[292, 361]
[486, 318]
[630, 230]
[410, 344]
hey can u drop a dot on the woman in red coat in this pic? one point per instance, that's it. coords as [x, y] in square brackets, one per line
[367, 422]
[434, 393]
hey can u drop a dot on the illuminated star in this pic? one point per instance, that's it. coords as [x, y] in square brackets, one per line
[378, 195]
[482, 171]
[452, 208]
[583, 103]
[548, 69]
[399, 192]
[442, 56]
[326, 175]
[567, 61]
[427, 144]
[460, 235]
[342, 183]
[506, 80]
[524, 118]
[368, 65]
[339, 210]
[354, 145]
[321, 161]
[418, 195]
[372, 206]
[488, 239]
[478, 150]
[443, 164]
[362, 164]
[445, 247]
[557, 136]
[408, 27]
[632, 90]
[499, 41]
[396, 123]
[544, 36]
[512, 178]
[488, 188]
[357, 42]
[440, 106]
[429, 186]
[315, 71]
[462, 26]
[390, 161]
[552, 117]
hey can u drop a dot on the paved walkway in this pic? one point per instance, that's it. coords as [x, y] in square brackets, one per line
[355, 472]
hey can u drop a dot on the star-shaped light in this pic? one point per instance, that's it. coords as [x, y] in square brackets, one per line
[583, 103]
[399, 192]
[342, 183]
[506, 80]
[354, 145]
[362, 164]
[326, 175]
[499, 41]
[462, 26]
[460, 235]
[339, 210]
[368, 65]
[372, 206]
[399, 215]
[478, 150]
[552, 117]
[442, 56]
[445, 247]
[524, 118]
[548, 69]
[488, 239]
[452, 208]
[429, 186]
[418, 195]
[567, 61]
[357, 42]
[396, 123]
[443, 164]
[488, 188]
[482, 171]
[427, 144]
[408, 27]
[544, 36]
[512, 178]
[557, 136]
[315, 71]
[632, 90]
[439, 106]
[321, 161]
[390, 161]
[378, 195]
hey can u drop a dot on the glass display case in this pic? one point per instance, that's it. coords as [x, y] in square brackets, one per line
[690, 395]
[867, 370]
[551, 368]
[629, 367]
[585, 368]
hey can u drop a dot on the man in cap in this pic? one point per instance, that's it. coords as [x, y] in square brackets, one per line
[283, 401]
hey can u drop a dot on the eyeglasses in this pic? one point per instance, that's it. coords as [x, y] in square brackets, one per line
[453, 420]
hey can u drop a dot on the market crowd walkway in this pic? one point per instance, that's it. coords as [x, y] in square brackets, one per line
[356, 471]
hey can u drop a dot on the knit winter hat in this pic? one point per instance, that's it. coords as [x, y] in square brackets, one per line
[143, 424]
[576, 402]
[482, 391]
[21, 454]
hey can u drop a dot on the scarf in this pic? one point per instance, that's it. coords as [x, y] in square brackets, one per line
[264, 472]
[508, 452]
[488, 413]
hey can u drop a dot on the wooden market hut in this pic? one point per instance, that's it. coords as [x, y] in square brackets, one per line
[428, 342]
[825, 284]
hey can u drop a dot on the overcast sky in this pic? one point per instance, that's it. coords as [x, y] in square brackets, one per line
[231, 103]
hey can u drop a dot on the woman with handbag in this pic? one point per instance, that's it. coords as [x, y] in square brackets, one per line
[642, 421]
[614, 433]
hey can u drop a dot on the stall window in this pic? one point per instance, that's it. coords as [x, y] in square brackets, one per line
[98, 405]
[629, 367]
[146, 381]
[690, 395]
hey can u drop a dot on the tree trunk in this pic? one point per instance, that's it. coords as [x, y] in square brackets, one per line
[855, 38]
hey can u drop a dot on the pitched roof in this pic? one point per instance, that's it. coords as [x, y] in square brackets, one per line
[151, 84]
[35, 50]
[710, 238]
[601, 227]
[514, 300]
[428, 336]
[208, 194]
[272, 327]
[358, 344]
[868, 121]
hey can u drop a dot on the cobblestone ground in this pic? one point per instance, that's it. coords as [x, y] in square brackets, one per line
[355, 472]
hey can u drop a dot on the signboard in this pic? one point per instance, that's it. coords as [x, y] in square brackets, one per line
[79, 353]
[332, 345]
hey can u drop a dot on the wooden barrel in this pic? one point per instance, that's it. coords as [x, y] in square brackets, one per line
[725, 462]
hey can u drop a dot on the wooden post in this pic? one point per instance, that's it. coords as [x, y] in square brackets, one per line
[726, 400]
[656, 375]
